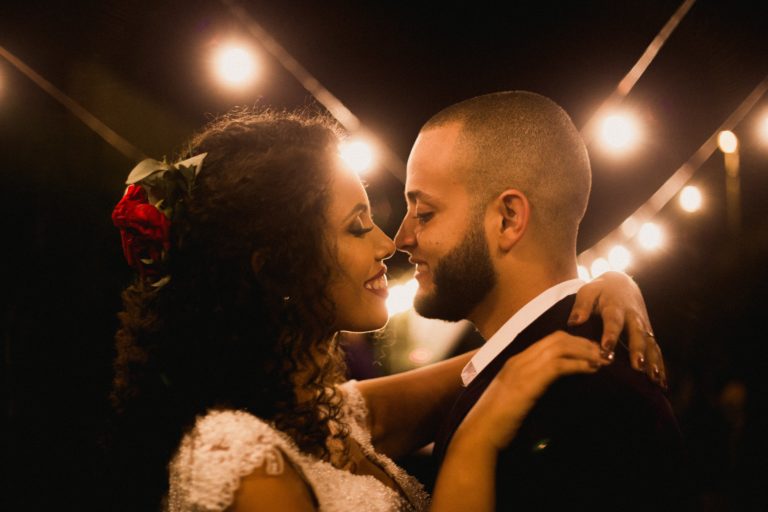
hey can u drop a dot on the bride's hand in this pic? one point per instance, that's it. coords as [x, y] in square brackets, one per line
[496, 417]
[618, 300]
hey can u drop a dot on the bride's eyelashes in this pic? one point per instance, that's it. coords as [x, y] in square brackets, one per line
[358, 229]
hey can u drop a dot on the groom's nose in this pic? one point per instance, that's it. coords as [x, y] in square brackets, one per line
[405, 239]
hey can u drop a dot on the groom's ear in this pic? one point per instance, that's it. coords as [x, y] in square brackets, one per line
[513, 214]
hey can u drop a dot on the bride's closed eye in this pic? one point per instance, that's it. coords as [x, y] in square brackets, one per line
[359, 229]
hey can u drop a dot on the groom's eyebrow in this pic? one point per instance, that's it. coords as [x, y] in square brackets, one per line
[418, 195]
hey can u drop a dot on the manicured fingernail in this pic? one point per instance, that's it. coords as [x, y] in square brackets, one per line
[641, 362]
[573, 318]
[607, 354]
[656, 373]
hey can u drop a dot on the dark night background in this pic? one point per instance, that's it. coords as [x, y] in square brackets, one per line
[141, 68]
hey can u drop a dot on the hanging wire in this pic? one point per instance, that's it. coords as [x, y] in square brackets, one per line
[681, 176]
[390, 160]
[102, 130]
[630, 79]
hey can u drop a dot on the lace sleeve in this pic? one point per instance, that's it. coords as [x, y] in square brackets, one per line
[354, 409]
[223, 447]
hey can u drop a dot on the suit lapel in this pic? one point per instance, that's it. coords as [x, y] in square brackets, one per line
[553, 319]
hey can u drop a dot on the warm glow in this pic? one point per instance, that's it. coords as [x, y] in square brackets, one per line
[599, 267]
[690, 199]
[401, 297]
[357, 154]
[727, 141]
[420, 356]
[235, 66]
[583, 273]
[650, 236]
[763, 128]
[619, 258]
[619, 132]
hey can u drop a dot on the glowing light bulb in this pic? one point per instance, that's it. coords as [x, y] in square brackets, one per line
[235, 66]
[357, 154]
[690, 199]
[599, 267]
[763, 128]
[619, 132]
[650, 236]
[619, 258]
[727, 141]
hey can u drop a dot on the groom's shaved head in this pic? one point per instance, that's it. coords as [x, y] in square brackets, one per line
[524, 141]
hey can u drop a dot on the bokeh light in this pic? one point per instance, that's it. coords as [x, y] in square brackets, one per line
[401, 297]
[358, 155]
[583, 273]
[420, 356]
[619, 258]
[619, 132]
[727, 141]
[650, 236]
[599, 267]
[690, 199]
[235, 66]
[762, 128]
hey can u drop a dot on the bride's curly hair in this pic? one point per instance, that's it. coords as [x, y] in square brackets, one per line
[246, 304]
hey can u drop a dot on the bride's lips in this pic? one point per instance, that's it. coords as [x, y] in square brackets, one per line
[378, 283]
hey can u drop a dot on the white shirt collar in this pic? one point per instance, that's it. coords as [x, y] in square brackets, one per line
[515, 325]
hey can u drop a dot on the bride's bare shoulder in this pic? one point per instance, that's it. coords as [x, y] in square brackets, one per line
[262, 491]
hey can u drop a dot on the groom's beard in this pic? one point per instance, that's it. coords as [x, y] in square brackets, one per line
[461, 279]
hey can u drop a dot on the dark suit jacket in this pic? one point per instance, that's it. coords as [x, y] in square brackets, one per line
[602, 441]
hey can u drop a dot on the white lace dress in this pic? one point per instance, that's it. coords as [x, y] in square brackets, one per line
[227, 445]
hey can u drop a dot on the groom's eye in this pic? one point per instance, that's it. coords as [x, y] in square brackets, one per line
[423, 217]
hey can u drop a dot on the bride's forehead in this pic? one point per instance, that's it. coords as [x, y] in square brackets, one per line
[346, 191]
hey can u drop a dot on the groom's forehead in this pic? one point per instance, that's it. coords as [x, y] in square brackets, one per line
[435, 186]
[435, 160]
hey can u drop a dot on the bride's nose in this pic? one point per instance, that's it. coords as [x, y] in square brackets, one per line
[385, 247]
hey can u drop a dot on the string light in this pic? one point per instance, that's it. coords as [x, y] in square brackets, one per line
[599, 267]
[763, 128]
[235, 66]
[619, 132]
[727, 141]
[690, 199]
[650, 236]
[619, 258]
[358, 155]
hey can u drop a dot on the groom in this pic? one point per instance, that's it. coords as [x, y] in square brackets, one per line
[496, 188]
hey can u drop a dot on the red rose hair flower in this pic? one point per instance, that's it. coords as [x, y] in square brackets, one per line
[156, 193]
[144, 231]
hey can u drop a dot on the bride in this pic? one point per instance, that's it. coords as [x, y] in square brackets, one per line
[251, 256]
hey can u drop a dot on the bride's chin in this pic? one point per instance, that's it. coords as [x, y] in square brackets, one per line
[366, 323]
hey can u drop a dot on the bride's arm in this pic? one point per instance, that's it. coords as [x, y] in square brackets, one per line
[405, 409]
[467, 477]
